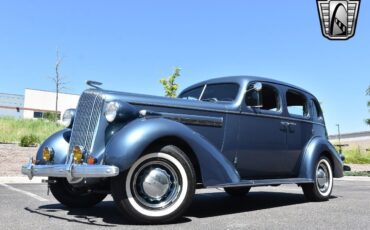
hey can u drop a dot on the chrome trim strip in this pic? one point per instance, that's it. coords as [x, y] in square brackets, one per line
[195, 119]
[186, 118]
[264, 182]
[179, 107]
[230, 112]
[74, 171]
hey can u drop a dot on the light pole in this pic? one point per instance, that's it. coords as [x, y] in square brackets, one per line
[339, 145]
[338, 132]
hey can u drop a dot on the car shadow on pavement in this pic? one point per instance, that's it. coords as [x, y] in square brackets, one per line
[218, 204]
[204, 205]
[105, 214]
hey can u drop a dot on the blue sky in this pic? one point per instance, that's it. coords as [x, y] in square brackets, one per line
[129, 45]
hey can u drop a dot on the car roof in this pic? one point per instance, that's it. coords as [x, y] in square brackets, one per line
[243, 79]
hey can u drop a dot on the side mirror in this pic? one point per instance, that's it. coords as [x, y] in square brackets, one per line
[257, 86]
[253, 97]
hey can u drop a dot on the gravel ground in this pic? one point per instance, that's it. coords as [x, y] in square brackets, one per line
[360, 167]
[12, 157]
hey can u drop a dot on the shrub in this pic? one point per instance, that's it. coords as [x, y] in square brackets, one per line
[29, 140]
[50, 116]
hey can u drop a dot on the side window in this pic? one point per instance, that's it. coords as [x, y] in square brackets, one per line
[317, 110]
[269, 98]
[296, 103]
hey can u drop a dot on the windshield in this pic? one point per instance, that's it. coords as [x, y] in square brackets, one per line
[212, 92]
[192, 94]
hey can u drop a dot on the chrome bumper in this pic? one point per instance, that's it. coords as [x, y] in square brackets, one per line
[69, 171]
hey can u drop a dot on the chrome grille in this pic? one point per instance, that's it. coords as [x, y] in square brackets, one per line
[87, 116]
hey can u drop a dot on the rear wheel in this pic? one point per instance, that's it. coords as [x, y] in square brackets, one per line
[158, 187]
[72, 197]
[237, 191]
[321, 189]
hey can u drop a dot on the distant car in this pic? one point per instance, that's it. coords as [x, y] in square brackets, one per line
[151, 152]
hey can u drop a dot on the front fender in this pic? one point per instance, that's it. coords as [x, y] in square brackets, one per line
[126, 146]
[314, 149]
[59, 141]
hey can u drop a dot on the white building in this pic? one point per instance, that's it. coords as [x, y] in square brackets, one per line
[359, 140]
[11, 104]
[37, 102]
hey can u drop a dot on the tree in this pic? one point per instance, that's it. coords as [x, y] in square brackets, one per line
[169, 85]
[58, 81]
[368, 104]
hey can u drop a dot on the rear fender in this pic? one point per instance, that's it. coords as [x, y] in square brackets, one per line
[315, 148]
[127, 145]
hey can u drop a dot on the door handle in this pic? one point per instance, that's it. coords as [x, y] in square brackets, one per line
[287, 126]
[284, 126]
[291, 126]
[287, 123]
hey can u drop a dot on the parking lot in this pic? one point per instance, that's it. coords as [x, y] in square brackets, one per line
[27, 206]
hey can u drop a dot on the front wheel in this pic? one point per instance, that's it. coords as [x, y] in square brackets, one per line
[158, 188]
[321, 189]
[72, 197]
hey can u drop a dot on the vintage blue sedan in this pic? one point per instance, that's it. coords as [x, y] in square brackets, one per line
[151, 152]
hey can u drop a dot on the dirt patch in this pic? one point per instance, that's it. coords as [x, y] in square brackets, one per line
[12, 157]
[360, 167]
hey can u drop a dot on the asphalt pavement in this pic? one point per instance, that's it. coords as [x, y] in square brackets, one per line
[27, 206]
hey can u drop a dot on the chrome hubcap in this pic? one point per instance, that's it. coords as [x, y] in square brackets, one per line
[156, 185]
[322, 177]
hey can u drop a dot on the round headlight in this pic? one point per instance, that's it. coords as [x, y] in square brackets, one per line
[111, 111]
[68, 117]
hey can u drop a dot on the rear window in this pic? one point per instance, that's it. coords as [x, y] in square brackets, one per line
[213, 92]
[296, 104]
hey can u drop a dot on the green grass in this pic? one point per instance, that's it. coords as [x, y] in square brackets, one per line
[12, 130]
[356, 156]
[357, 173]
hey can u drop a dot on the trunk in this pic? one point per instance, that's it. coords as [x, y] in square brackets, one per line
[56, 103]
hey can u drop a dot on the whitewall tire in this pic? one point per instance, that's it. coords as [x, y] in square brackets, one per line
[157, 188]
[322, 187]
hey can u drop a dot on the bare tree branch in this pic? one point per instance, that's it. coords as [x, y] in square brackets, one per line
[58, 80]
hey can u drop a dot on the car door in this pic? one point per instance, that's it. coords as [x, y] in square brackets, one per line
[299, 128]
[262, 137]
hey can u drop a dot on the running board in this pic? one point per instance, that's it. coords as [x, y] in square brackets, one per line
[264, 182]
